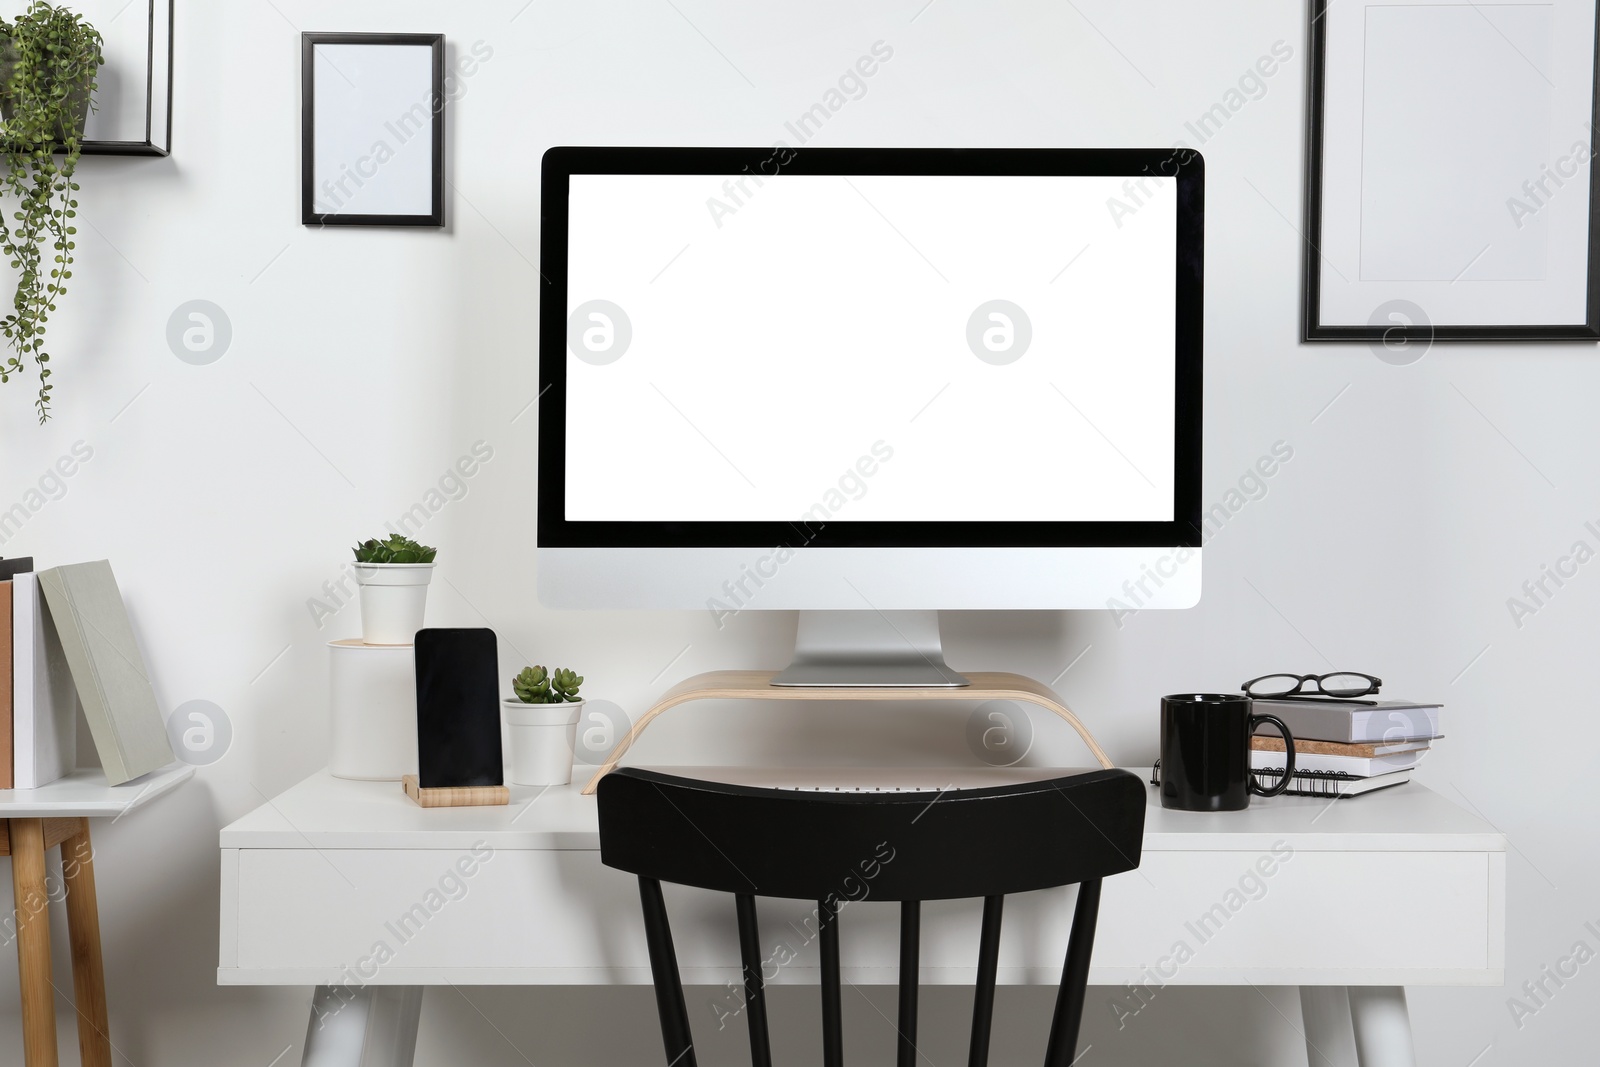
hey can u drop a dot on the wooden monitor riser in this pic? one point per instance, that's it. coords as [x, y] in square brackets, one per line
[756, 685]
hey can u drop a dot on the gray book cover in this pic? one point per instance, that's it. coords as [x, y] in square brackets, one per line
[1355, 721]
[107, 668]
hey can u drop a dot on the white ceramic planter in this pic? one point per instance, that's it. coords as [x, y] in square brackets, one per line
[394, 597]
[542, 740]
[372, 698]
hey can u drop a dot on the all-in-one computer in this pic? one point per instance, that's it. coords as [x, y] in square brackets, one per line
[869, 384]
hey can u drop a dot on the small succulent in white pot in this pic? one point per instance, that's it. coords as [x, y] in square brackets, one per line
[543, 721]
[393, 575]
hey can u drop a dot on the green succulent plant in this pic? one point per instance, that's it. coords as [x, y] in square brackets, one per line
[49, 66]
[394, 549]
[536, 685]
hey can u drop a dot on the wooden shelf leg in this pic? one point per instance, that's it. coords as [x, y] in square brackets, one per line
[83, 926]
[33, 943]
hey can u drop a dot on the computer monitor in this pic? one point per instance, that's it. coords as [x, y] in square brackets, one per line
[869, 384]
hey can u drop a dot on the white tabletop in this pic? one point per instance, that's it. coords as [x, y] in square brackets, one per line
[84, 793]
[327, 812]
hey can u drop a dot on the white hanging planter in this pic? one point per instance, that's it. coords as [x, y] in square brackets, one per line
[394, 597]
[543, 737]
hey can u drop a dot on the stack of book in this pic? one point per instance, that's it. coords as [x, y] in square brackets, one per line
[67, 649]
[1344, 747]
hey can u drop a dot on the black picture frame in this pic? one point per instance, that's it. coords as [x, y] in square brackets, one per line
[1313, 330]
[1184, 165]
[309, 216]
[157, 135]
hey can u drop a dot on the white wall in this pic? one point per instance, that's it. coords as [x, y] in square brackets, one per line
[364, 362]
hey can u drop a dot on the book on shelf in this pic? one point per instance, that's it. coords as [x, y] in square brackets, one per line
[1356, 722]
[9, 568]
[44, 703]
[1306, 746]
[108, 669]
[1359, 766]
[5, 684]
[1329, 783]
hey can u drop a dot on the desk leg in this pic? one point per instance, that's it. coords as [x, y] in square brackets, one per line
[375, 1026]
[1330, 1038]
[33, 942]
[83, 929]
[1382, 1026]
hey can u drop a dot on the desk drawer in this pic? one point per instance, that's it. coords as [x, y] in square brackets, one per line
[1352, 918]
[385, 916]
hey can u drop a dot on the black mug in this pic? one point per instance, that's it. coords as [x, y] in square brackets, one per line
[1205, 752]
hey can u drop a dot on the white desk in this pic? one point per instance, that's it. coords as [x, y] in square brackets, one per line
[350, 887]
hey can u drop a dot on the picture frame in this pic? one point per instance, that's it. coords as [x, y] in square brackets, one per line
[133, 102]
[372, 129]
[1450, 190]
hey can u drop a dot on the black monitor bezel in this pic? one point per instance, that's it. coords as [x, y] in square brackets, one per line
[554, 530]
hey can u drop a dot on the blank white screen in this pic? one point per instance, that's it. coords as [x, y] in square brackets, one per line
[785, 337]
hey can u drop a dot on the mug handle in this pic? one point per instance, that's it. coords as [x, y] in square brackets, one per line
[1288, 757]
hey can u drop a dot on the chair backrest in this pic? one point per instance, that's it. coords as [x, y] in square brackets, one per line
[837, 847]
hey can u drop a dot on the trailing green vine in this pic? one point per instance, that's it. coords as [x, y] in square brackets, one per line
[49, 61]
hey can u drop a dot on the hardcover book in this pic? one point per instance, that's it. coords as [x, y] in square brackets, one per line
[1356, 721]
[1272, 743]
[44, 706]
[6, 685]
[1359, 766]
[108, 669]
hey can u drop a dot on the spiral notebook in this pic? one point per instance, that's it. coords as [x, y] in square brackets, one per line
[1329, 783]
[1317, 783]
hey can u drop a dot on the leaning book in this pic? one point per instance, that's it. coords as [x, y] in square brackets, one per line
[107, 668]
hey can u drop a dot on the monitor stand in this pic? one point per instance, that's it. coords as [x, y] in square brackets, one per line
[869, 649]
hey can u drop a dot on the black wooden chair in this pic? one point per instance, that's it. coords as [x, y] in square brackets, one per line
[839, 847]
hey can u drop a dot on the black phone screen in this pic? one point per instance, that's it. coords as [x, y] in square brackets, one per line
[458, 708]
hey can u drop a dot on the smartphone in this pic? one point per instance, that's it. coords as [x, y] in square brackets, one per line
[458, 708]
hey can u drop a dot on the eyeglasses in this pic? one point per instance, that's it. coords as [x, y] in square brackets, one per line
[1337, 684]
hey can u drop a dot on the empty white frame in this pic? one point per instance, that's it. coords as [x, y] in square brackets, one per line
[372, 136]
[1449, 188]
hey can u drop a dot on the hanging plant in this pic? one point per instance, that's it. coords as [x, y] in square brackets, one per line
[49, 60]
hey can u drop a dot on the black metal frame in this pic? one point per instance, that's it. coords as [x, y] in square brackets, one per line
[148, 146]
[308, 215]
[1185, 165]
[1314, 330]
[836, 848]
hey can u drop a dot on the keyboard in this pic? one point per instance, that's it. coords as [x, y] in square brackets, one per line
[872, 779]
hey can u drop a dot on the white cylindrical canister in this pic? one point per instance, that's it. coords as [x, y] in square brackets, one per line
[372, 696]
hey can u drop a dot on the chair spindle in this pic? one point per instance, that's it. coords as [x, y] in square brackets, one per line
[755, 994]
[1063, 1047]
[674, 1014]
[983, 988]
[910, 968]
[832, 1009]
